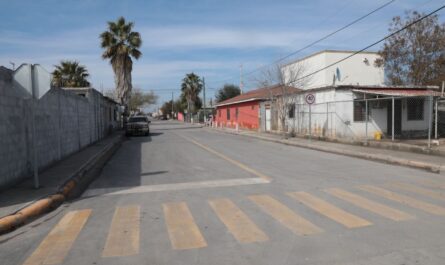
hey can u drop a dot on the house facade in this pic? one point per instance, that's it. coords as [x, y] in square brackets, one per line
[358, 112]
[243, 111]
[352, 101]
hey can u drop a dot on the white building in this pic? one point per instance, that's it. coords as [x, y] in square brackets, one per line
[360, 69]
[344, 91]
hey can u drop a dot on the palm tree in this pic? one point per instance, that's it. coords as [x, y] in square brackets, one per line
[191, 87]
[120, 45]
[70, 74]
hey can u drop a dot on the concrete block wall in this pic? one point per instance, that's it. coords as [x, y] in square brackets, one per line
[64, 123]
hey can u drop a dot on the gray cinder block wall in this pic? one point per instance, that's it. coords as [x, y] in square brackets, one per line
[65, 122]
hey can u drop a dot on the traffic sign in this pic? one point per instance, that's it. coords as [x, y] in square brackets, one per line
[310, 99]
[34, 79]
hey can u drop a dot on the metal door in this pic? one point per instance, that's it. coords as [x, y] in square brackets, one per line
[268, 118]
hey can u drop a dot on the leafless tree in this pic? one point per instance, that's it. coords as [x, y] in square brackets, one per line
[415, 56]
[283, 82]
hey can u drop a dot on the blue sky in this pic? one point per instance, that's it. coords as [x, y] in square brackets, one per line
[211, 38]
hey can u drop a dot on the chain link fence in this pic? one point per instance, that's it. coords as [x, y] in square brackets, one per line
[417, 118]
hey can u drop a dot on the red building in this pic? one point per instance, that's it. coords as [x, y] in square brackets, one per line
[244, 109]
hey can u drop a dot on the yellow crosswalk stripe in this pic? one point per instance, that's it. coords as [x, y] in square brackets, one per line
[432, 184]
[285, 216]
[59, 241]
[369, 205]
[123, 236]
[329, 210]
[238, 223]
[182, 229]
[421, 205]
[418, 190]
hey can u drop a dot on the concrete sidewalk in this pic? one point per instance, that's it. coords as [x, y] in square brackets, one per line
[52, 179]
[431, 163]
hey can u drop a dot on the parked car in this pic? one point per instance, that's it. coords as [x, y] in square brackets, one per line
[138, 125]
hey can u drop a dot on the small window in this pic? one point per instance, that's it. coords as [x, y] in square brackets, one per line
[219, 113]
[253, 107]
[228, 114]
[291, 111]
[360, 111]
[236, 113]
[415, 109]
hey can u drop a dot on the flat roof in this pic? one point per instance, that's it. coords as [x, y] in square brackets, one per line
[327, 51]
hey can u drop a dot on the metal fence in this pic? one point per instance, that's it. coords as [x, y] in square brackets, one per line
[387, 119]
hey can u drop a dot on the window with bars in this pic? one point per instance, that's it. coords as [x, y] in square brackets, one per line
[415, 109]
[291, 111]
[360, 110]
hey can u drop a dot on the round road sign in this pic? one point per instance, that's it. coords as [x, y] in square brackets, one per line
[310, 99]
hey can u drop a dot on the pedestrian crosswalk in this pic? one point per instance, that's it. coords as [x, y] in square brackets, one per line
[184, 233]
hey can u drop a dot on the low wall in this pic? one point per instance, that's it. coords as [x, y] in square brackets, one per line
[64, 123]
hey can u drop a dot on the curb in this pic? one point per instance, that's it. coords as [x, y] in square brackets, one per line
[378, 158]
[75, 184]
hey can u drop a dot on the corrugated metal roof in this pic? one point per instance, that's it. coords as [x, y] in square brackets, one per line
[259, 94]
[399, 92]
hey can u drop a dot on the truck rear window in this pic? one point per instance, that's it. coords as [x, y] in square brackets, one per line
[137, 119]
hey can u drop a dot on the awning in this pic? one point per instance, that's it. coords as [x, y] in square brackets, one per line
[399, 92]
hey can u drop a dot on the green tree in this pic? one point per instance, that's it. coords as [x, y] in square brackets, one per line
[191, 87]
[120, 44]
[140, 99]
[415, 56]
[70, 74]
[226, 92]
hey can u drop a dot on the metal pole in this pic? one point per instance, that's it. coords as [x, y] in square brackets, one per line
[310, 124]
[435, 119]
[430, 120]
[327, 118]
[34, 134]
[392, 121]
[204, 86]
[366, 124]
[173, 112]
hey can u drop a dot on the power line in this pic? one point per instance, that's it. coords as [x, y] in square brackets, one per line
[319, 40]
[373, 44]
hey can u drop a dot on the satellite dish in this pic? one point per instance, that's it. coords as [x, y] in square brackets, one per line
[337, 73]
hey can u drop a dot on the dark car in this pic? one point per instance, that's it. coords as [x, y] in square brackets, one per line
[138, 125]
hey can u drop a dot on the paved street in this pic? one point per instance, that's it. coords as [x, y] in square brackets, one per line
[188, 195]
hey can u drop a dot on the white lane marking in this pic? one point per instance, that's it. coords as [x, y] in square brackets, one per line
[176, 186]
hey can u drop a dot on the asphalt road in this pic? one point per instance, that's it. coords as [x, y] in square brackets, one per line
[187, 195]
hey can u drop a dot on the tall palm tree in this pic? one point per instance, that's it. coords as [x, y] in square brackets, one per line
[191, 87]
[70, 74]
[120, 44]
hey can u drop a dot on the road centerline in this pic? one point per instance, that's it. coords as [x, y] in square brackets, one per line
[228, 159]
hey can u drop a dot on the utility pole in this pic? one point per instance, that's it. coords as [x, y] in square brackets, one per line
[241, 84]
[173, 111]
[204, 94]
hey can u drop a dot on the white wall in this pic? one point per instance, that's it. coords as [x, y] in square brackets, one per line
[332, 116]
[353, 71]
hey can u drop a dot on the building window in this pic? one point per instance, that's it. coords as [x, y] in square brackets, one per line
[360, 110]
[219, 113]
[415, 109]
[228, 114]
[253, 107]
[236, 113]
[291, 111]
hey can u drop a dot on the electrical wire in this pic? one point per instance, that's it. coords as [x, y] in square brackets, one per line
[317, 41]
[374, 43]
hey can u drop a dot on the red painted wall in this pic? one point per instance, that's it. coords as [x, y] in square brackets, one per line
[248, 115]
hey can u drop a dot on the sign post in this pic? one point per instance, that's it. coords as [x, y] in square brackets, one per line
[310, 99]
[36, 82]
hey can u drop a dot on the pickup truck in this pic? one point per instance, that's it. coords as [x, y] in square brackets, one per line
[138, 125]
